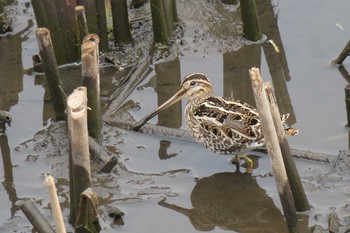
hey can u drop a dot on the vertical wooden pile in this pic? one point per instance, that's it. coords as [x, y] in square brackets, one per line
[273, 148]
[164, 15]
[52, 73]
[91, 80]
[79, 163]
[251, 27]
[59, 17]
[121, 24]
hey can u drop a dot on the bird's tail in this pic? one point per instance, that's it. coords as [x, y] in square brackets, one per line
[288, 130]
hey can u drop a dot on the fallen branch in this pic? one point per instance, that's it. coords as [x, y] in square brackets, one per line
[182, 134]
[39, 223]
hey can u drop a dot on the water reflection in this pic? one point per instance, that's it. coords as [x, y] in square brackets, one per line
[11, 69]
[168, 82]
[276, 61]
[163, 150]
[236, 72]
[231, 201]
[8, 174]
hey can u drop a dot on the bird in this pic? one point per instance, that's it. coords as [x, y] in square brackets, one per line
[5, 118]
[221, 124]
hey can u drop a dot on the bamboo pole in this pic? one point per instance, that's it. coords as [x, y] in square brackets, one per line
[52, 74]
[160, 32]
[121, 24]
[90, 12]
[300, 200]
[91, 80]
[39, 223]
[81, 23]
[343, 55]
[58, 16]
[102, 25]
[251, 28]
[168, 15]
[175, 14]
[55, 204]
[273, 149]
[347, 102]
[79, 167]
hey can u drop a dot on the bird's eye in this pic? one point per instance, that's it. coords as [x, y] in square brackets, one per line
[193, 83]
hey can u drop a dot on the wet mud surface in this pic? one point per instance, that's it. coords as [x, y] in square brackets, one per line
[166, 184]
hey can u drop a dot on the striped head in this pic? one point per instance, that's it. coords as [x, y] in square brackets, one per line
[195, 86]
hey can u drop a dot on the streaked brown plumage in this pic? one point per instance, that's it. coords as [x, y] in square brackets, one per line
[220, 124]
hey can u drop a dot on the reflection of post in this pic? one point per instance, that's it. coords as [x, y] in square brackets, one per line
[276, 62]
[236, 75]
[8, 173]
[269, 26]
[168, 82]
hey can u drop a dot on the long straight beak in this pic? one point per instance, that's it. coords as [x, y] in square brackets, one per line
[175, 98]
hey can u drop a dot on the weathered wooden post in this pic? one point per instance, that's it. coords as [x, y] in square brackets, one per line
[81, 23]
[300, 200]
[55, 204]
[175, 14]
[273, 148]
[38, 221]
[251, 28]
[91, 80]
[168, 15]
[79, 166]
[347, 102]
[343, 55]
[102, 25]
[59, 17]
[90, 12]
[160, 32]
[121, 24]
[52, 74]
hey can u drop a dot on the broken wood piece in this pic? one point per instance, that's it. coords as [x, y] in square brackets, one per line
[300, 200]
[273, 148]
[38, 221]
[87, 215]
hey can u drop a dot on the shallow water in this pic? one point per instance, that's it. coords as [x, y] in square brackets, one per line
[172, 185]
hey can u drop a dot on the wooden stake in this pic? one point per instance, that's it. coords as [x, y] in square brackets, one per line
[91, 80]
[343, 55]
[300, 200]
[160, 32]
[347, 102]
[55, 204]
[79, 167]
[273, 149]
[102, 25]
[251, 28]
[52, 74]
[39, 223]
[81, 23]
[121, 24]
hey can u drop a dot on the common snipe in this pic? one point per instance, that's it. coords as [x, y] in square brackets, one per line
[220, 124]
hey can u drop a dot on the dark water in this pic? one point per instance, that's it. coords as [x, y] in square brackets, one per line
[169, 185]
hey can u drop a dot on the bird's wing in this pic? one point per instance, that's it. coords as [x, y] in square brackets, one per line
[233, 118]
